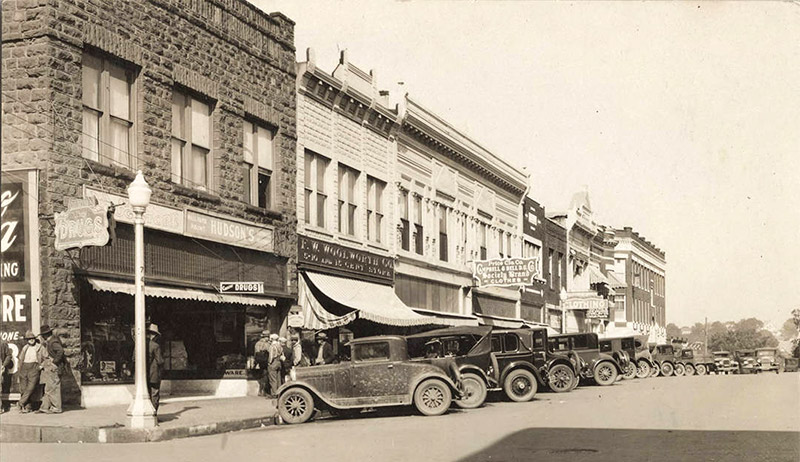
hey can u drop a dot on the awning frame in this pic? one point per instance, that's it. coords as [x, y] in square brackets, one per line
[177, 293]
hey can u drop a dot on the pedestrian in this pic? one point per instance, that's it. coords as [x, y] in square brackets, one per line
[6, 366]
[276, 358]
[31, 360]
[299, 358]
[286, 364]
[155, 364]
[324, 350]
[53, 368]
[261, 356]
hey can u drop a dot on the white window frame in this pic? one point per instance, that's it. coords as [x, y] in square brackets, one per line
[316, 188]
[190, 138]
[98, 144]
[258, 147]
[376, 204]
[348, 196]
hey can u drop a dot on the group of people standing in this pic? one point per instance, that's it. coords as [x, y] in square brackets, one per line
[276, 356]
[41, 361]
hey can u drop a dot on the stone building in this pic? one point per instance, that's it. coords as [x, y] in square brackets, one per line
[200, 97]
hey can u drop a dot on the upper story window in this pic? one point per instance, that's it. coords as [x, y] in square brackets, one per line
[500, 243]
[443, 233]
[375, 222]
[348, 208]
[418, 228]
[258, 165]
[108, 112]
[550, 267]
[482, 231]
[191, 141]
[509, 246]
[405, 231]
[562, 280]
[314, 185]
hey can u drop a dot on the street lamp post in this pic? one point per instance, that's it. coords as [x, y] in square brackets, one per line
[141, 413]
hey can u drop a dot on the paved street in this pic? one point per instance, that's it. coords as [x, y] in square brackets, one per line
[686, 418]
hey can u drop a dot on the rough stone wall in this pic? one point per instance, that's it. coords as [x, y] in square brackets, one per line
[226, 50]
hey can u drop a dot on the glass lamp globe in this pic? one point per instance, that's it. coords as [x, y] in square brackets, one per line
[139, 192]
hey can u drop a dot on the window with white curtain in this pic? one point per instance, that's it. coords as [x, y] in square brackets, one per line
[191, 141]
[258, 165]
[108, 111]
[375, 222]
[348, 206]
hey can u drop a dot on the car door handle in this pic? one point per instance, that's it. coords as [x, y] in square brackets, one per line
[390, 366]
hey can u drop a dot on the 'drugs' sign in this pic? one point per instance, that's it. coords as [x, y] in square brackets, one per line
[19, 257]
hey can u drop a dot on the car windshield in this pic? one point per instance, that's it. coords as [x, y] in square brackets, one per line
[687, 354]
[722, 355]
[766, 353]
[456, 345]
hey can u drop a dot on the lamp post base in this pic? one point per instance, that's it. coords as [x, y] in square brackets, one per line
[141, 414]
[141, 421]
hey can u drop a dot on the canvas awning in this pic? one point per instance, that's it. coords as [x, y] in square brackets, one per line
[597, 276]
[315, 316]
[448, 319]
[616, 283]
[150, 290]
[373, 302]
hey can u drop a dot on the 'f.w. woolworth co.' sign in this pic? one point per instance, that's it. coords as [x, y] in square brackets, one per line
[84, 223]
[506, 272]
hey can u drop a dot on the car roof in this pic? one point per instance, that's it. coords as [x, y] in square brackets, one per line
[766, 348]
[459, 330]
[378, 337]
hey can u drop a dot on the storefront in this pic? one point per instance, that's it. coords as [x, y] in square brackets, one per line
[348, 293]
[207, 336]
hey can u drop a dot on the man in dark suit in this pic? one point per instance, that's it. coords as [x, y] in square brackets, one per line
[52, 369]
[324, 350]
[155, 364]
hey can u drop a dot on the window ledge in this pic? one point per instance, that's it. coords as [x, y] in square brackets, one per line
[110, 170]
[196, 193]
[311, 229]
[269, 213]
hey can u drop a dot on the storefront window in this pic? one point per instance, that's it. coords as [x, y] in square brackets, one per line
[107, 333]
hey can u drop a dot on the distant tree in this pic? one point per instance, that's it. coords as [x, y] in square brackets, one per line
[796, 321]
[673, 331]
[789, 330]
[743, 335]
[749, 324]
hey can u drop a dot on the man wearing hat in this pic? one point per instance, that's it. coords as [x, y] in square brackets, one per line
[155, 363]
[31, 359]
[52, 370]
[261, 356]
[276, 359]
[324, 350]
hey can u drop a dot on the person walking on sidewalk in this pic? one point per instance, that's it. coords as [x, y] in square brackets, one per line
[31, 360]
[261, 355]
[155, 364]
[53, 368]
[276, 359]
[6, 366]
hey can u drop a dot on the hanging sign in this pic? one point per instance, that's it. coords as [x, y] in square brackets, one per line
[254, 287]
[84, 223]
[506, 272]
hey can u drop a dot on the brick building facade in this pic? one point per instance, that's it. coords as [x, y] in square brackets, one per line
[200, 97]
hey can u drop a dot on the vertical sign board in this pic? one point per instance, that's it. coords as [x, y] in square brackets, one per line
[19, 260]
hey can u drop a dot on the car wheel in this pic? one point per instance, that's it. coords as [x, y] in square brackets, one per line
[474, 391]
[643, 369]
[575, 382]
[605, 373]
[656, 370]
[701, 369]
[689, 369]
[432, 397]
[667, 369]
[560, 378]
[520, 385]
[630, 372]
[295, 406]
[679, 370]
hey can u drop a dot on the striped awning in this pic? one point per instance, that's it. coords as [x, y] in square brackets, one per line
[371, 301]
[596, 276]
[616, 283]
[315, 316]
[150, 290]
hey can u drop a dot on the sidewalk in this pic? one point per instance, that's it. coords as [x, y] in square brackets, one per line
[177, 419]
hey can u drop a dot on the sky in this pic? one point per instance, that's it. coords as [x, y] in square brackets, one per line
[681, 119]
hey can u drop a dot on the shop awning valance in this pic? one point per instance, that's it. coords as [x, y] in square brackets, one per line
[373, 302]
[128, 288]
[596, 276]
[616, 283]
[315, 316]
[498, 321]
[449, 319]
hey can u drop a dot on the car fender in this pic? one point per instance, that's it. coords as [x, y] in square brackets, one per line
[433, 375]
[604, 357]
[649, 363]
[314, 392]
[565, 362]
[521, 365]
[472, 369]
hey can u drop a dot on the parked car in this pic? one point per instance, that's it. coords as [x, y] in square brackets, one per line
[470, 347]
[600, 367]
[524, 363]
[725, 363]
[768, 359]
[643, 358]
[664, 359]
[747, 361]
[791, 364]
[379, 374]
[622, 349]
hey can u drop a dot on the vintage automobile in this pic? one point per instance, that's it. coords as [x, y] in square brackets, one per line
[600, 367]
[768, 359]
[470, 347]
[644, 360]
[524, 362]
[379, 374]
[664, 359]
[747, 361]
[696, 363]
[791, 363]
[725, 363]
[622, 349]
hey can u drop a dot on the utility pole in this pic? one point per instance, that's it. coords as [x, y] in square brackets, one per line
[705, 342]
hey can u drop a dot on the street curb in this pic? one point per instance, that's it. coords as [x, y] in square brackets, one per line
[14, 433]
